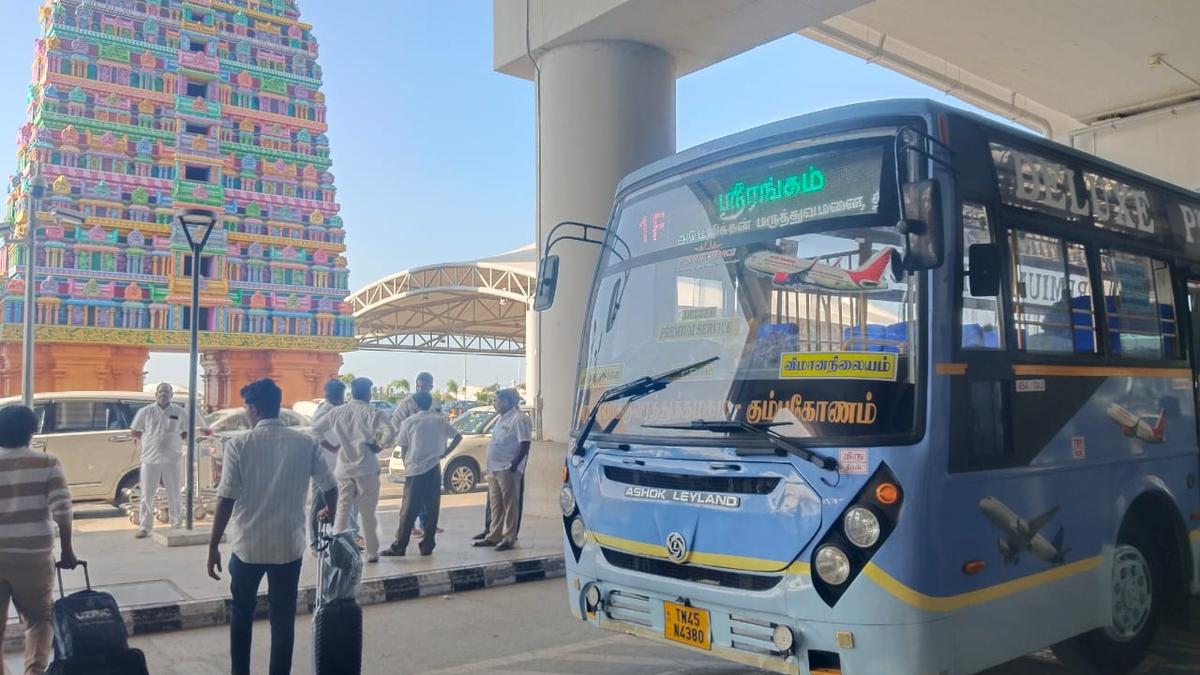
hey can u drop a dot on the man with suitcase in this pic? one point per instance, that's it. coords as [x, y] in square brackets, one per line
[263, 485]
[33, 498]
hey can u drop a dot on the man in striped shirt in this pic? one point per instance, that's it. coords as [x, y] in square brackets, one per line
[264, 480]
[33, 498]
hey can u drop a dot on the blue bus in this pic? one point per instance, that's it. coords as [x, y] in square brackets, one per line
[889, 388]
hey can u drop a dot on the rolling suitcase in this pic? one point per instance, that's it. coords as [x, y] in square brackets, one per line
[86, 622]
[337, 623]
[123, 662]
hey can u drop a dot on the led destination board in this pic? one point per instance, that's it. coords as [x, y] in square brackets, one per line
[766, 194]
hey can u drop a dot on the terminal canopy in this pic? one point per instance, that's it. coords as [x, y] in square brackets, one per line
[460, 308]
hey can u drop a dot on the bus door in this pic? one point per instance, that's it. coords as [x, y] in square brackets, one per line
[1193, 298]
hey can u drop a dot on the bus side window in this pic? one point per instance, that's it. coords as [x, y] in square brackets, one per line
[1052, 300]
[980, 316]
[1141, 306]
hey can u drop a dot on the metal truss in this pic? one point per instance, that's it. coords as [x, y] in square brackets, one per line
[460, 308]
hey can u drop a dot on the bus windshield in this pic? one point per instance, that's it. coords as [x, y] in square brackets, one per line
[783, 266]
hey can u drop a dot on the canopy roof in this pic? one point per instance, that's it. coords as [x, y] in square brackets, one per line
[474, 307]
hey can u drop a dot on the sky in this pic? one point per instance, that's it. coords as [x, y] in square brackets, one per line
[433, 151]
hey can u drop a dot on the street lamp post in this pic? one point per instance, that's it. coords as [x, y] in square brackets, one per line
[37, 187]
[194, 222]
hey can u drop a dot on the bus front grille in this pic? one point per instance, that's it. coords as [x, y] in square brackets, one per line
[742, 485]
[701, 575]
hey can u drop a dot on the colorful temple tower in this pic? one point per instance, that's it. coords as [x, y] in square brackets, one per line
[140, 109]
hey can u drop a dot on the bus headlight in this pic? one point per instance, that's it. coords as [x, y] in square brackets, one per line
[591, 597]
[783, 639]
[833, 566]
[578, 532]
[566, 501]
[861, 527]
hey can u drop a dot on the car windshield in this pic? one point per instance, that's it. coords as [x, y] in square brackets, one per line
[784, 267]
[473, 422]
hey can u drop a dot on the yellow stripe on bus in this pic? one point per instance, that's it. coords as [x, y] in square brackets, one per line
[1195, 535]
[951, 603]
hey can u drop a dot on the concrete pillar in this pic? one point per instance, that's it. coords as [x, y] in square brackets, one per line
[606, 109]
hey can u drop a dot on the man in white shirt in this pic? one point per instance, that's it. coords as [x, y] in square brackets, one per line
[160, 430]
[335, 395]
[361, 431]
[506, 455]
[263, 484]
[404, 410]
[422, 441]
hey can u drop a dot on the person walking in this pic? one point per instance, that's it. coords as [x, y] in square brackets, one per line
[506, 456]
[335, 395]
[263, 485]
[33, 499]
[422, 440]
[160, 430]
[404, 410]
[361, 431]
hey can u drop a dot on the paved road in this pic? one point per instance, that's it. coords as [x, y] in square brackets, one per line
[509, 630]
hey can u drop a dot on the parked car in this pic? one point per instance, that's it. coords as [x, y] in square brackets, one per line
[385, 406]
[227, 423]
[463, 469]
[455, 408]
[89, 433]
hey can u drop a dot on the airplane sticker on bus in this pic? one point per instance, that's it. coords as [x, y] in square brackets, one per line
[790, 272]
[1136, 426]
[1023, 536]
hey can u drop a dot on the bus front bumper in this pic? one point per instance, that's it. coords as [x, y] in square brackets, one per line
[745, 637]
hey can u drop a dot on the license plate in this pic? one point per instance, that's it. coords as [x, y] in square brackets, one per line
[686, 625]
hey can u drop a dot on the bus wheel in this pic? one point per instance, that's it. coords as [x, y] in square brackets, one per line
[1136, 588]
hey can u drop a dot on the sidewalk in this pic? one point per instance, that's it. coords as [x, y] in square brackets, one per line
[161, 589]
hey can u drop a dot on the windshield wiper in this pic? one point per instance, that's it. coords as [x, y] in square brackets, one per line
[761, 430]
[643, 386]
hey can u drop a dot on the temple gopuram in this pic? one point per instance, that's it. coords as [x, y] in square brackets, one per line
[142, 109]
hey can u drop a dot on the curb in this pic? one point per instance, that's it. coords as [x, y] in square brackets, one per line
[215, 612]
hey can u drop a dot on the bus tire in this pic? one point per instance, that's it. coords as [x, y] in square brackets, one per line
[1137, 599]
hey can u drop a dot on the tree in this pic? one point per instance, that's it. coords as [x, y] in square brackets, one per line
[486, 394]
[346, 378]
[400, 385]
[452, 388]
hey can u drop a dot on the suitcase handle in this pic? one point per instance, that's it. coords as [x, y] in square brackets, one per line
[86, 577]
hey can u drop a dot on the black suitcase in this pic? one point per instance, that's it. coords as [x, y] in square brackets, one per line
[337, 627]
[337, 639]
[87, 622]
[124, 662]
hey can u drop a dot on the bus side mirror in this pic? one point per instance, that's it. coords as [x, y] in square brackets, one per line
[547, 283]
[983, 272]
[922, 225]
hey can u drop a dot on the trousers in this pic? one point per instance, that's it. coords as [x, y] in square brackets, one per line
[171, 475]
[422, 495]
[503, 495]
[364, 493]
[283, 583]
[29, 582]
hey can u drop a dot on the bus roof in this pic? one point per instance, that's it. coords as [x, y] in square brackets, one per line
[904, 107]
